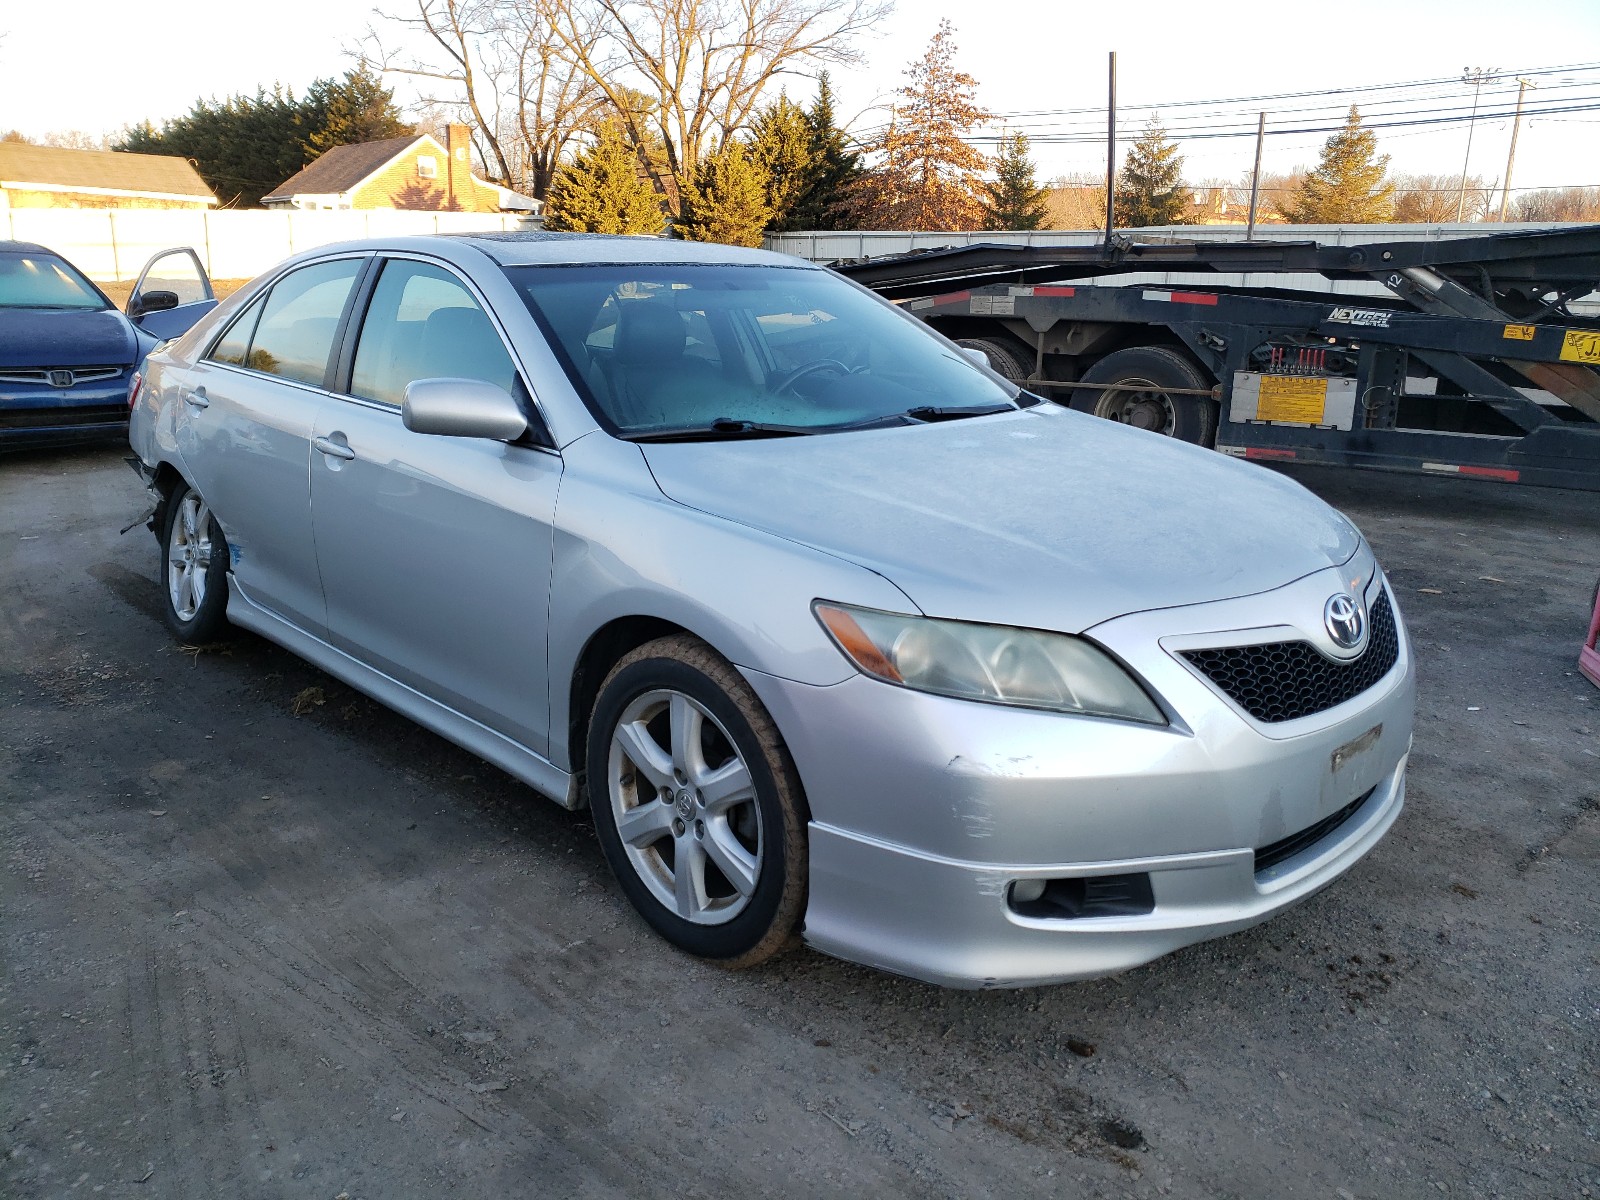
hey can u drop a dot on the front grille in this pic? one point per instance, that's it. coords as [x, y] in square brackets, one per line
[1280, 681]
[54, 418]
[43, 375]
[1286, 848]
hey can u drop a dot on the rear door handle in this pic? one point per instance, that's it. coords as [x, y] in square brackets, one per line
[194, 397]
[332, 448]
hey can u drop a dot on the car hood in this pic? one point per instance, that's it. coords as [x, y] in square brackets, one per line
[1044, 518]
[32, 337]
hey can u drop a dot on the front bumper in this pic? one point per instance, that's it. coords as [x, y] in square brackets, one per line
[32, 416]
[926, 810]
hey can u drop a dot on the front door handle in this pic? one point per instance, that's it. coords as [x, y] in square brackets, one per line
[332, 448]
[194, 397]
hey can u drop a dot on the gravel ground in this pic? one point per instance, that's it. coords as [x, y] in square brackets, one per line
[264, 938]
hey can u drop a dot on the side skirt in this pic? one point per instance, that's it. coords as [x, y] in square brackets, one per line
[511, 757]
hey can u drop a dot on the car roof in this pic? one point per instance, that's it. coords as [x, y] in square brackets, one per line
[567, 249]
[559, 249]
[26, 248]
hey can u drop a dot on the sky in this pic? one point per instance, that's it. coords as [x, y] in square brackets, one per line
[129, 62]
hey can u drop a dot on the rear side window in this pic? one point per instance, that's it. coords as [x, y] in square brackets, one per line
[234, 346]
[294, 336]
[423, 323]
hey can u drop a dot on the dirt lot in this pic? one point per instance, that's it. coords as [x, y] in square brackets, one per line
[264, 938]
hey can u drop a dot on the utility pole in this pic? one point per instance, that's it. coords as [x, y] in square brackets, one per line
[1477, 77]
[1111, 150]
[1255, 178]
[1505, 191]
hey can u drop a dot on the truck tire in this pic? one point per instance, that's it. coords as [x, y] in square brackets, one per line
[1010, 359]
[1140, 373]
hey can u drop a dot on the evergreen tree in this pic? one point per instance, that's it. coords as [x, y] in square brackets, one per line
[602, 191]
[781, 145]
[1016, 201]
[245, 146]
[726, 199]
[824, 203]
[357, 109]
[1150, 187]
[1348, 185]
[928, 176]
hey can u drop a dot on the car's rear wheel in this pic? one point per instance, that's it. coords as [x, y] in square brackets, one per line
[194, 569]
[1135, 391]
[697, 804]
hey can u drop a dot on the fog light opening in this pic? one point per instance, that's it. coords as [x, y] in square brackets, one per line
[1082, 896]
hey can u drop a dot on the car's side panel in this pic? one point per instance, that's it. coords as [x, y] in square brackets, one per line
[435, 560]
[622, 550]
[245, 442]
[471, 735]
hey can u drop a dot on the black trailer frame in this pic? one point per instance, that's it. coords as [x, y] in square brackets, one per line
[1479, 316]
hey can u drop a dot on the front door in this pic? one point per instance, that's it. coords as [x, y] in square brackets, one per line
[435, 551]
[171, 294]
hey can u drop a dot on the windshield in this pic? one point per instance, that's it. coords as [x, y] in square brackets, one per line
[685, 347]
[44, 281]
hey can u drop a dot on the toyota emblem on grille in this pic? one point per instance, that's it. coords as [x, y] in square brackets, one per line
[62, 379]
[1345, 620]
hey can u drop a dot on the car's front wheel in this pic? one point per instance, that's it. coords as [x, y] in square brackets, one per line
[194, 568]
[697, 803]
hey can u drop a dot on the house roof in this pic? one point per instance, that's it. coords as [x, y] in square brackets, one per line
[343, 167]
[55, 169]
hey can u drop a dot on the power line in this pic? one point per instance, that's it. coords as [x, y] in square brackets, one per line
[1350, 91]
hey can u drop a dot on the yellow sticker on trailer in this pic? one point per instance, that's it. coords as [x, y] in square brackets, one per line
[1519, 333]
[1298, 398]
[1581, 346]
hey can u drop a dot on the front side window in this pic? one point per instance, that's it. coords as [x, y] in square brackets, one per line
[45, 281]
[678, 347]
[423, 323]
[294, 337]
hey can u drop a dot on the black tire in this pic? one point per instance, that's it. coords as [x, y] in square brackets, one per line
[206, 621]
[1141, 373]
[1010, 359]
[765, 919]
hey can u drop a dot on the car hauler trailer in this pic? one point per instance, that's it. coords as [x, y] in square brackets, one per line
[1472, 363]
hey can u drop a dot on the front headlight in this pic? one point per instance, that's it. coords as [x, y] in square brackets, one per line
[1027, 668]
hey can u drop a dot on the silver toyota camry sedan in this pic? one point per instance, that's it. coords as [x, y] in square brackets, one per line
[837, 634]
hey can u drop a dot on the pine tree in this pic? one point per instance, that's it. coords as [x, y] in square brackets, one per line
[1347, 186]
[1150, 187]
[928, 176]
[357, 109]
[781, 145]
[825, 202]
[1016, 201]
[726, 199]
[602, 191]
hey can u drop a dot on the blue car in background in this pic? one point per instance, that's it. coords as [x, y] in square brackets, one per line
[68, 356]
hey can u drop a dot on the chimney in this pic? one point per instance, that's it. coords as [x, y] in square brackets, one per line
[458, 170]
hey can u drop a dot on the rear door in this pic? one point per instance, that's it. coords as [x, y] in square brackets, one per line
[435, 551]
[171, 294]
[247, 412]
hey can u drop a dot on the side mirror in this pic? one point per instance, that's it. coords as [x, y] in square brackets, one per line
[462, 408]
[976, 355]
[149, 302]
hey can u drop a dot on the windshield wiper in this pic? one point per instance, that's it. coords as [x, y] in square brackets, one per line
[928, 412]
[722, 429]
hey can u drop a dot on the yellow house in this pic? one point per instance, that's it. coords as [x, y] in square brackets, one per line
[413, 172]
[49, 177]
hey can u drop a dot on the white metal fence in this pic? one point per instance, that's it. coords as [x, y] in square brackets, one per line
[112, 244]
